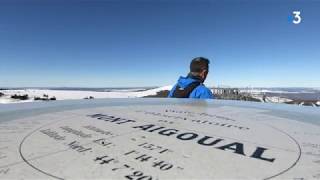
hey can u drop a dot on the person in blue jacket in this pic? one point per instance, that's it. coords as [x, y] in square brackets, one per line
[192, 86]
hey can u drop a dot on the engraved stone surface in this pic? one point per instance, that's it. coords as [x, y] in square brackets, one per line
[158, 139]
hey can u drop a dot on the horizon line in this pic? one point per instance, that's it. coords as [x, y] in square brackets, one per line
[122, 87]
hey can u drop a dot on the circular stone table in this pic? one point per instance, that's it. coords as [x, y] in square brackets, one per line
[144, 139]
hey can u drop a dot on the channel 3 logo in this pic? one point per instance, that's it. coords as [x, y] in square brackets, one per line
[295, 18]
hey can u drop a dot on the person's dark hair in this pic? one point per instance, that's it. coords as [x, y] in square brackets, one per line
[198, 64]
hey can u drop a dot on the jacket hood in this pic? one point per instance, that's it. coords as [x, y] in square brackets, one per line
[185, 81]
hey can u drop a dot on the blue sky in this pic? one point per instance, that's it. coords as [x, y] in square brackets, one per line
[150, 43]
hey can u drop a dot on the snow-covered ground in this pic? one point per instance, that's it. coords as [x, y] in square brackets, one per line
[71, 94]
[115, 93]
[276, 99]
[279, 90]
[271, 99]
[259, 91]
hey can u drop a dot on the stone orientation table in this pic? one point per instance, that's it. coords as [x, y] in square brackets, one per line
[149, 139]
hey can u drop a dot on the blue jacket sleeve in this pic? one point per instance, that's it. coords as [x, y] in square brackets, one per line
[206, 94]
[172, 90]
[201, 92]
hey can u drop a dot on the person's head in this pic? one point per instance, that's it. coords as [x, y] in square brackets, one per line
[199, 67]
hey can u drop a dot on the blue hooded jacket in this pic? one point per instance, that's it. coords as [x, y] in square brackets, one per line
[200, 92]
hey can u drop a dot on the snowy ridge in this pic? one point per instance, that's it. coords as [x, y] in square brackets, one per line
[68, 94]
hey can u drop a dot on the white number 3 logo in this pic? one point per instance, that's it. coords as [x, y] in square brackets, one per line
[297, 18]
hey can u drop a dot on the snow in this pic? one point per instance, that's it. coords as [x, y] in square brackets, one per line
[275, 99]
[72, 94]
[262, 91]
[257, 96]
[271, 99]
